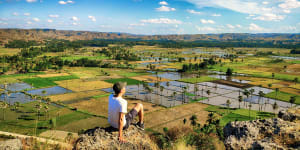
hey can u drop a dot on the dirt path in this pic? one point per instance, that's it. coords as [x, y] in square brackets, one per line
[44, 140]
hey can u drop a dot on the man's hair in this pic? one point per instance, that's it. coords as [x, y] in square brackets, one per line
[119, 86]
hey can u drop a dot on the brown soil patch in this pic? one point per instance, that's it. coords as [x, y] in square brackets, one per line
[82, 85]
[290, 90]
[73, 96]
[57, 134]
[149, 79]
[231, 83]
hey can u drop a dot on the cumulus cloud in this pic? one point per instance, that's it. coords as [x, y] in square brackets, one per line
[15, 14]
[216, 15]
[74, 18]
[289, 4]
[137, 24]
[269, 17]
[36, 19]
[193, 11]
[165, 8]
[53, 16]
[26, 14]
[265, 2]
[206, 29]
[29, 22]
[239, 26]
[49, 20]
[163, 3]
[92, 18]
[75, 23]
[254, 27]
[65, 2]
[230, 26]
[207, 21]
[31, 1]
[161, 21]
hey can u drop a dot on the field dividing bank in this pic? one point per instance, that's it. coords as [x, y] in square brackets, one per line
[38, 82]
[14, 78]
[71, 58]
[149, 78]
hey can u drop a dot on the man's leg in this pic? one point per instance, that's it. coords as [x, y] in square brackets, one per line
[140, 109]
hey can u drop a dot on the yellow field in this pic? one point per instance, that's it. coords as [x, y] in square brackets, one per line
[57, 135]
[79, 85]
[52, 75]
[77, 95]
[9, 51]
[149, 79]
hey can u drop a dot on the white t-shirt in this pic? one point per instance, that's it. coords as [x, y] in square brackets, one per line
[115, 106]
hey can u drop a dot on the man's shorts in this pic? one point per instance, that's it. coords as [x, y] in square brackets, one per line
[130, 117]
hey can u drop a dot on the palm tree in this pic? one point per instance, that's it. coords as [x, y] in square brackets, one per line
[269, 85]
[273, 75]
[161, 91]
[246, 93]
[292, 100]
[228, 104]
[168, 84]
[296, 80]
[38, 107]
[261, 94]
[240, 100]
[174, 94]
[249, 109]
[3, 105]
[46, 111]
[276, 90]
[208, 93]
[275, 107]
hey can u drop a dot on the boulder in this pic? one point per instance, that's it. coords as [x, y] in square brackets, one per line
[11, 144]
[107, 138]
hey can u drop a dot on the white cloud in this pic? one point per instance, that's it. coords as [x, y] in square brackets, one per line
[207, 21]
[15, 14]
[92, 18]
[162, 21]
[165, 8]
[36, 19]
[163, 3]
[205, 29]
[74, 18]
[53, 16]
[254, 27]
[29, 22]
[239, 26]
[137, 24]
[74, 23]
[193, 11]
[31, 1]
[66, 2]
[230, 26]
[49, 20]
[269, 17]
[289, 4]
[216, 15]
[26, 14]
[286, 11]
[265, 2]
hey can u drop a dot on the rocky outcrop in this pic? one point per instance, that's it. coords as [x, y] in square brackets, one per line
[11, 144]
[107, 138]
[264, 134]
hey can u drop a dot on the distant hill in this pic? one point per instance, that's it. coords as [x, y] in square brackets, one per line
[44, 34]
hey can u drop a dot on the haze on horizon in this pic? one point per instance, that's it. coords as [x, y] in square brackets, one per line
[154, 16]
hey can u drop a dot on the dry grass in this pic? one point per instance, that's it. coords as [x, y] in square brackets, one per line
[290, 90]
[9, 51]
[82, 85]
[174, 116]
[88, 123]
[57, 135]
[149, 79]
[73, 96]
[99, 106]
[52, 75]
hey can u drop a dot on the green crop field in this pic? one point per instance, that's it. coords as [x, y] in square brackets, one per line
[47, 82]
[283, 96]
[127, 80]
[197, 80]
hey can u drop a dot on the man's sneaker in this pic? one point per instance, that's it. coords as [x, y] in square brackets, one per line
[140, 126]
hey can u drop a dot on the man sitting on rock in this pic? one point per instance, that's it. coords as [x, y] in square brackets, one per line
[117, 108]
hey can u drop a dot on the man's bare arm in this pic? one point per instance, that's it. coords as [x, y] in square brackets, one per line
[121, 117]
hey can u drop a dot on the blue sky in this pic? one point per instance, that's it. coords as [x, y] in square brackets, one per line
[154, 16]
